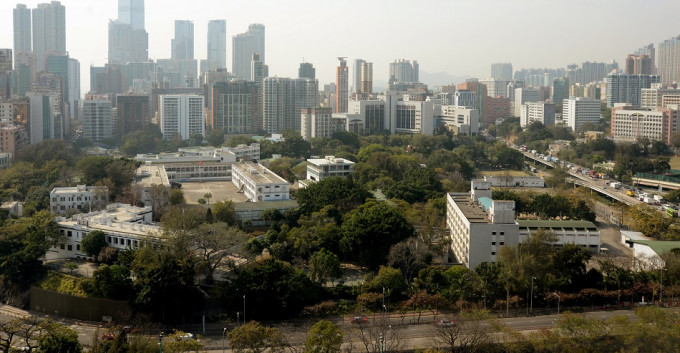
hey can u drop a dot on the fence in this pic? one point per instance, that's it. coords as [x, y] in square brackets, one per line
[85, 309]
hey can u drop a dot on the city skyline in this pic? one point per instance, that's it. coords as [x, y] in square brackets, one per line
[315, 28]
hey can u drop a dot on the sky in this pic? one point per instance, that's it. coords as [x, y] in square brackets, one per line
[459, 37]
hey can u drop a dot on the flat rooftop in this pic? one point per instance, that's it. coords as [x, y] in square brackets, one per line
[264, 205]
[329, 160]
[147, 175]
[472, 211]
[556, 224]
[258, 173]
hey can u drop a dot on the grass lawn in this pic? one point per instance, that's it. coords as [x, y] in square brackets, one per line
[675, 162]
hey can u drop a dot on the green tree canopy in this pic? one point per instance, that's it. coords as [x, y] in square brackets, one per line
[93, 243]
[324, 337]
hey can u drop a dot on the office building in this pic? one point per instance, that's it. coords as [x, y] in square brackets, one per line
[307, 70]
[258, 183]
[460, 119]
[501, 72]
[244, 45]
[560, 90]
[403, 70]
[41, 121]
[623, 88]
[127, 44]
[523, 96]
[132, 114]
[322, 168]
[464, 98]
[235, 107]
[217, 44]
[49, 31]
[542, 112]
[479, 89]
[183, 43]
[182, 116]
[97, 120]
[669, 60]
[373, 114]
[366, 79]
[318, 122]
[639, 65]
[65, 200]
[22, 29]
[653, 97]
[283, 100]
[495, 87]
[12, 138]
[577, 111]
[412, 117]
[628, 123]
[342, 86]
[73, 87]
[495, 108]
[131, 12]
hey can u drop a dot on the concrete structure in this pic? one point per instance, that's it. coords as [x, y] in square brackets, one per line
[496, 87]
[543, 112]
[622, 88]
[259, 183]
[217, 44]
[319, 122]
[639, 65]
[464, 120]
[40, 120]
[578, 111]
[125, 227]
[5, 160]
[251, 212]
[65, 200]
[582, 233]
[510, 181]
[307, 70]
[479, 226]
[12, 137]
[652, 97]
[13, 208]
[495, 108]
[403, 70]
[244, 45]
[501, 71]
[235, 107]
[669, 60]
[413, 117]
[647, 254]
[183, 43]
[321, 168]
[182, 116]
[132, 114]
[464, 98]
[73, 88]
[523, 96]
[49, 31]
[629, 123]
[341, 86]
[372, 114]
[22, 30]
[97, 120]
[560, 90]
[283, 100]
[131, 12]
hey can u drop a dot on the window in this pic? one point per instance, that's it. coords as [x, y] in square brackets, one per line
[70, 248]
[502, 233]
[493, 243]
[78, 247]
[493, 233]
[493, 253]
[61, 246]
[69, 234]
[502, 243]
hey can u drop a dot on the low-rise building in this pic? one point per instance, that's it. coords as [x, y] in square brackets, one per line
[125, 227]
[13, 208]
[582, 233]
[321, 168]
[252, 212]
[648, 254]
[259, 183]
[510, 181]
[81, 198]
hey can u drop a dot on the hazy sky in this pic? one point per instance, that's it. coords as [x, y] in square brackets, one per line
[460, 37]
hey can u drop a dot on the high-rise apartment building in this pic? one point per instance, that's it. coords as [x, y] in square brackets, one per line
[342, 86]
[366, 78]
[41, 120]
[560, 89]
[183, 43]
[317, 122]
[622, 88]
[49, 31]
[182, 116]
[578, 111]
[356, 75]
[403, 70]
[73, 87]
[523, 96]
[630, 123]
[542, 112]
[495, 87]
[669, 60]
[22, 29]
[6, 60]
[235, 107]
[501, 72]
[244, 45]
[651, 53]
[217, 44]
[639, 65]
[307, 70]
[132, 114]
[97, 119]
[283, 100]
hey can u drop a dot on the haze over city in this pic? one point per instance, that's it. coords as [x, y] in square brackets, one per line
[460, 38]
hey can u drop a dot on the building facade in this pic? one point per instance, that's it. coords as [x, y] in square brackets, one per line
[543, 112]
[402, 70]
[622, 88]
[318, 122]
[523, 96]
[341, 86]
[182, 116]
[630, 123]
[501, 71]
[283, 99]
[669, 60]
[49, 31]
[244, 45]
[97, 120]
[322, 168]
[234, 107]
[258, 183]
[217, 44]
[66, 200]
[463, 120]
[578, 111]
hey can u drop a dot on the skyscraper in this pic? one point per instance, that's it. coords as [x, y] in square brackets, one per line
[306, 70]
[651, 52]
[403, 70]
[342, 84]
[132, 114]
[49, 31]
[182, 116]
[560, 90]
[73, 86]
[356, 75]
[235, 107]
[22, 29]
[669, 60]
[97, 119]
[639, 64]
[217, 44]
[131, 12]
[244, 45]
[622, 88]
[501, 71]
[366, 78]
[283, 100]
[183, 43]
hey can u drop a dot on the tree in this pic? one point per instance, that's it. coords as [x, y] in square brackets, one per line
[207, 196]
[236, 140]
[324, 266]
[389, 281]
[470, 332]
[159, 195]
[252, 337]
[183, 217]
[215, 243]
[324, 337]
[409, 256]
[142, 141]
[343, 193]
[223, 211]
[179, 343]
[369, 231]
[93, 243]
[38, 198]
[176, 197]
[60, 339]
[215, 138]
[111, 282]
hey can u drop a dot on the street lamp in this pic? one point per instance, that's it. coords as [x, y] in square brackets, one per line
[238, 320]
[532, 294]
[244, 309]
[558, 303]
[160, 342]
[224, 338]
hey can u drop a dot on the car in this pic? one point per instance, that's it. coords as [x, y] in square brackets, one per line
[446, 323]
[185, 336]
[359, 320]
[129, 329]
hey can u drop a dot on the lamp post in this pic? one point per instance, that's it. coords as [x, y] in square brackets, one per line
[244, 309]
[160, 342]
[238, 320]
[531, 300]
[558, 303]
[224, 338]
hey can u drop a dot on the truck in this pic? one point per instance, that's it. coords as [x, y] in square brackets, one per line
[615, 185]
[593, 174]
[658, 198]
[630, 193]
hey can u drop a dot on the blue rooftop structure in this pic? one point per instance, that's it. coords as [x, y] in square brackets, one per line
[486, 202]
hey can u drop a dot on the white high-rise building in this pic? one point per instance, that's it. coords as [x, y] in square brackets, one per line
[496, 87]
[97, 120]
[578, 111]
[464, 120]
[49, 31]
[669, 60]
[501, 72]
[403, 70]
[182, 116]
[525, 95]
[318, 122]
[413, 117]
[217, 44]
[543, 112]
[244, 45]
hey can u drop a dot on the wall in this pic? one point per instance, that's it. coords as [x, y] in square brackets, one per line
[86, 309]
